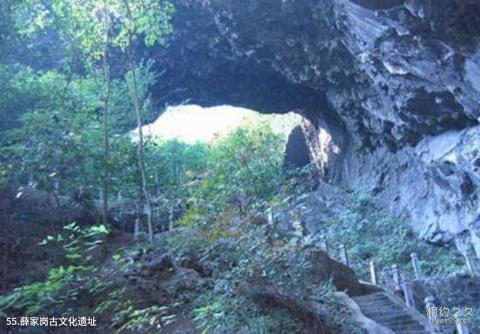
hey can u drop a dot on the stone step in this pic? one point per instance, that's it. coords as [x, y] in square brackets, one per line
[381, 296]
[381, 309]
[385, 314]
[387, 309]
[379, 293]
[409, 328]
[394, 322]
[370, 297]
[377, 303]
[397, 322]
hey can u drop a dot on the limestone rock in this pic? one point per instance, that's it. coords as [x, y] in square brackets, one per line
[394, 84]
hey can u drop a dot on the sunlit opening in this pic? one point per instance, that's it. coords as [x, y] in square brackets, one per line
[193, 123]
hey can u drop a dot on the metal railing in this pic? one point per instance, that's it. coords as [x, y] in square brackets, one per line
[403, 283]
[397, 281]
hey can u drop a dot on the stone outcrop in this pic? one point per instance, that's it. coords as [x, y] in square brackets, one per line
[395, 84]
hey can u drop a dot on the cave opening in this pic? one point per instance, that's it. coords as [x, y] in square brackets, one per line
[192, 123]
[307, 139]
[320, 139]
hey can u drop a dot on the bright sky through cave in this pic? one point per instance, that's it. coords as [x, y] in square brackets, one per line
[192, 123]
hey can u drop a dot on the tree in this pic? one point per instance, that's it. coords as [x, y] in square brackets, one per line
[95, 27]
[88, 24]
[151, 19]
[7, 23]
[57, 140]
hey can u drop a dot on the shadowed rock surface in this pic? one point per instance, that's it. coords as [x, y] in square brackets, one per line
[296, 151]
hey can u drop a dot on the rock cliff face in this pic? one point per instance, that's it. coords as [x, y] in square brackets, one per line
[394, 83]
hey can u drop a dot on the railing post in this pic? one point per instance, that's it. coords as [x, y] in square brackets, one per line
[460, 324]
[136, 229]
[408, 292]
[324, 244]
[170, 218]
[396, 277]
[416, 266]
[344, 255]
[270, 216]
[431, 309]
[470, 261]
[373, 272]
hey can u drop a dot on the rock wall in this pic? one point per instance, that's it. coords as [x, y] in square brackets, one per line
[394, 83]
[433, 185]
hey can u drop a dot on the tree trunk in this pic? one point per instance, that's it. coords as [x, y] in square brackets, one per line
[106, 100]
[6, 252]
[105, 141]
[140, 149]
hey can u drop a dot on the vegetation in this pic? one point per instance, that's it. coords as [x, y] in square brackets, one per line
[371, 234]
[66, 137]
[62, 282]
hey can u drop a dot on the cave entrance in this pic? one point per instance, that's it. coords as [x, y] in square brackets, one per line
[193, 123]
[307, 139]
[260, 87]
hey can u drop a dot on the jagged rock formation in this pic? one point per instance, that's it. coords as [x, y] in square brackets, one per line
[395, 84]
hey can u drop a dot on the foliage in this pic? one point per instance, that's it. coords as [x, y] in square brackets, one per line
[245, 258]
[243, 170]
[8, 26]
[370, 233]
[149, 318]
[64, 282]
[50, 139]
[54, 140]
[22, 90]
[245, 167]
[84, 25]
[174, 167]
[146, 79]
[56, 144]
[147, 18]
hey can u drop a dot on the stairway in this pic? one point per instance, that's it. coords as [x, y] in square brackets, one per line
[396, 316]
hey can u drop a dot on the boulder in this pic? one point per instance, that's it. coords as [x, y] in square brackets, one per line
[323, 268]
